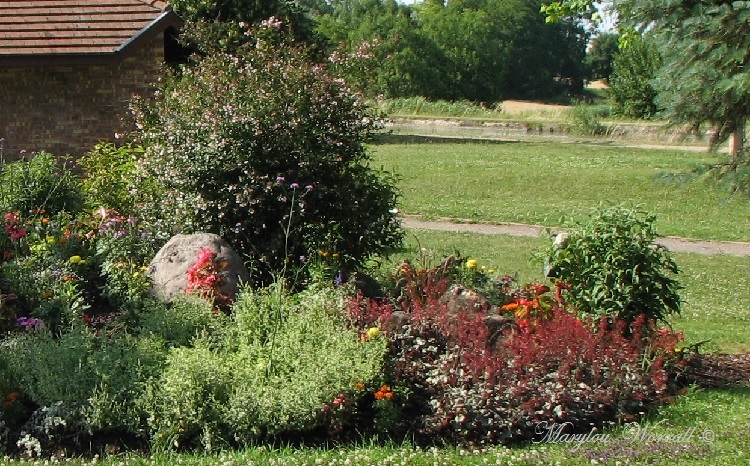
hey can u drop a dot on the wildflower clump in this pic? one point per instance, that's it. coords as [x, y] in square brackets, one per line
[205, 279]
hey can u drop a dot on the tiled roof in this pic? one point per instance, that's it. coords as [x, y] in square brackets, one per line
[56, 28]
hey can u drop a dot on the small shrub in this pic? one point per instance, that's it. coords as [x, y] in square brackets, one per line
[41, 183]
[93, 384]
[109, 176]
[586, 120]
[613, 267]
[187, 318]
[468, 382]
[269, 374]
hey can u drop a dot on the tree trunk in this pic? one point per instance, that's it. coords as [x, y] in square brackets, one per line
[737, 143]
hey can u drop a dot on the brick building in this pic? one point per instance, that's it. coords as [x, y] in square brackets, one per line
[68, 69]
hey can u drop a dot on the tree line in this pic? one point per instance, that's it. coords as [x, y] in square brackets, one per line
[476, 50]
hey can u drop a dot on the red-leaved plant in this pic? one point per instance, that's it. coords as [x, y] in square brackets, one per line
[548, 366]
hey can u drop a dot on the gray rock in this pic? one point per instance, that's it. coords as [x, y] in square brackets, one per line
[169, 268]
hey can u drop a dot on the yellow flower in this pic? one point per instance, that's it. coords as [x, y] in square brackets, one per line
[471, 264]
[372, 332]
[75, 259]
[50, 239]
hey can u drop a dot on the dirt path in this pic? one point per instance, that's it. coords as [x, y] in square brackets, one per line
[673, 243]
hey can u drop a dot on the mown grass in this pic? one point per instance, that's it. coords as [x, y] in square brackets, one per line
[551, 183]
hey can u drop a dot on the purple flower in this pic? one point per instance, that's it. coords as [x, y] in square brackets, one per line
[339, 280]
[279, 179]
[309, 187]
[302, 258]
[294, 185]
[30, 323]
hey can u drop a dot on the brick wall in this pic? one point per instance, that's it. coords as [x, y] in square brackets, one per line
[67, 109]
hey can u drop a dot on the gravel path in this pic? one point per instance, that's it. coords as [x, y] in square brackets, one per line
[673, 243]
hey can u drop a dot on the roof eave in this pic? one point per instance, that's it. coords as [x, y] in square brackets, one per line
[166, 20]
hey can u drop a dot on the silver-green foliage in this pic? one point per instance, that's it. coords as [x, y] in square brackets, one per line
[100, 381]
[614, 268]
[275, 365]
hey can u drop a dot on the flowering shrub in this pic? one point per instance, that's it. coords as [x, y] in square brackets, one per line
[63, 266]
[232, 141]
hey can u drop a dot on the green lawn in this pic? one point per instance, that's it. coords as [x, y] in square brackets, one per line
[547, 183]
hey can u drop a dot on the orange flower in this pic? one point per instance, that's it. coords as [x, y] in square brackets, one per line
[510, 306]
[359, 386]
[384, 392]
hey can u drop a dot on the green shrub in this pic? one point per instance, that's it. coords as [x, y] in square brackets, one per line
[268, 374]
[102, 379]
[110, 171]
[265, 148]
[612, 267]
[586, 119]
[177, 325]
[41, 183]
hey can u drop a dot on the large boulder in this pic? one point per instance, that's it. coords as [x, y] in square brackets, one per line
[169, 268]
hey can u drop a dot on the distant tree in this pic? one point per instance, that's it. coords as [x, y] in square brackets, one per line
[385, 34]
[475, 44]
[631, 84]
[705, 75]
[220, 25]
[601, 55]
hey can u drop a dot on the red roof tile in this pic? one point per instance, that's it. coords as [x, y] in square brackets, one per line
[77, 27]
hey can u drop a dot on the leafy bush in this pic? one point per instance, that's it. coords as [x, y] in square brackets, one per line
[612, 267]
[110, 171]
[269, 373]
[631, 81]
[99, 381]
[265, 148]
[41, 183]
[587, 120]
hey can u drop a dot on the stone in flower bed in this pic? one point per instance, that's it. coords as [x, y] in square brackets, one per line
[169, 268]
